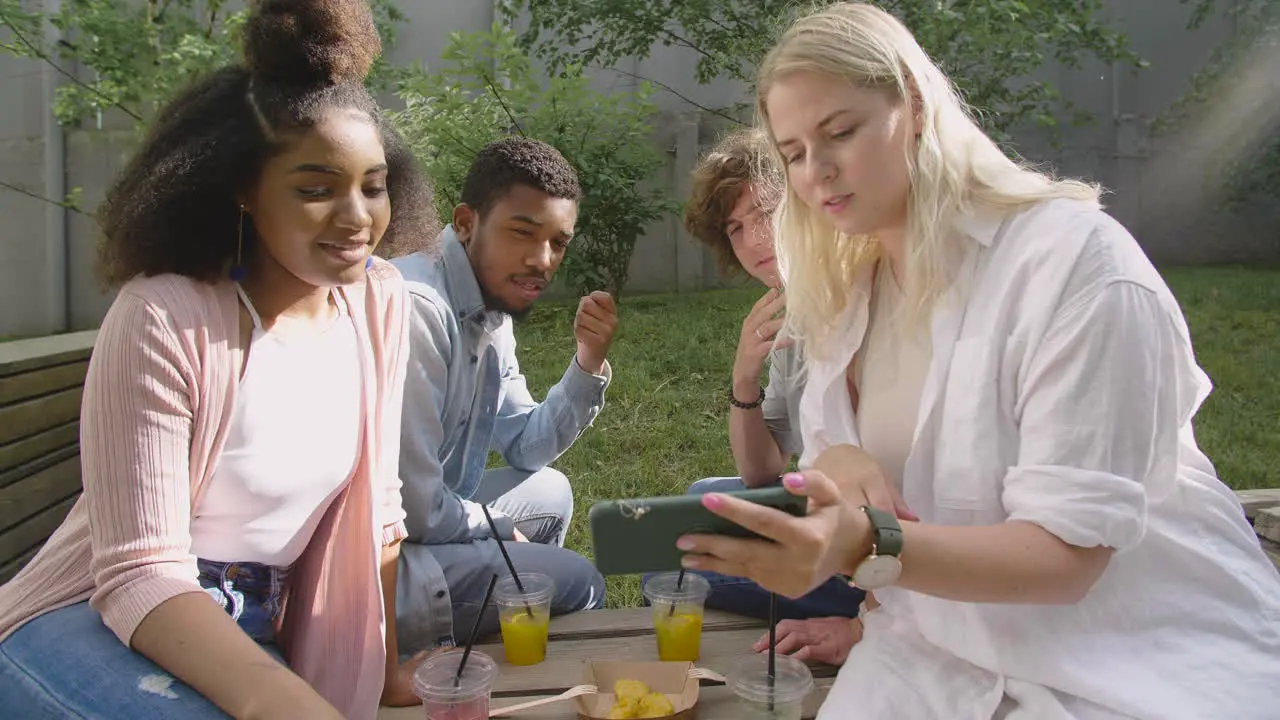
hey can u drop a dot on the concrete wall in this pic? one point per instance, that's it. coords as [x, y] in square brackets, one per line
[46, 254]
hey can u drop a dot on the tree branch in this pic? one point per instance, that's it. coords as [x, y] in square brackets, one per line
[41, 198]
[501, 101]
[680, 40]
[675, 92]
[42, 55]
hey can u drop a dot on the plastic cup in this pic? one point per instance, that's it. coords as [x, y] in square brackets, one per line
[524, 617]
[783, 699]
[433, 681]
[677, 614]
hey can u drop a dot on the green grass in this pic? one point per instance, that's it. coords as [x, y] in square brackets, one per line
[1234, 315]
[664, 422]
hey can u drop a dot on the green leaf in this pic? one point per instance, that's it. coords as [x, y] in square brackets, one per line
[485, 86]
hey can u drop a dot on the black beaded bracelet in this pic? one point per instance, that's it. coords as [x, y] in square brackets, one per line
[746, 406]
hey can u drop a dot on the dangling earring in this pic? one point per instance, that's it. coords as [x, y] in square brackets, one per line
[238, 272]
[368, 263]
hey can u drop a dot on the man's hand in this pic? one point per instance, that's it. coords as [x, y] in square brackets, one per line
[398, 690]
[759, 331]
[826, 640]
[593, 328]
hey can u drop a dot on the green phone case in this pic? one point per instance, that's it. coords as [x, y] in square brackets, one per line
[638, 535]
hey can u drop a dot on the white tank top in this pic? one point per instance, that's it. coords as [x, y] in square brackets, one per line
[291, 448]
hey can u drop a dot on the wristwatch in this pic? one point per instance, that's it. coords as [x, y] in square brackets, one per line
[882, 567]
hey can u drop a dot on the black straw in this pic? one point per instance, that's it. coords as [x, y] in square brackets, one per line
[773, 644]
[475, 630]
[493, 527]
[679, 586]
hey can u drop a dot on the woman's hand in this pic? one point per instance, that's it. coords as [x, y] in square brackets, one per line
[860, 480]
[825, 640]
[806, 551]
[398, 691]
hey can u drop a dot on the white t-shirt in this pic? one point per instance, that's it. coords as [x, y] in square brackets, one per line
[1061, 393]
[889, 373]
[291, 447]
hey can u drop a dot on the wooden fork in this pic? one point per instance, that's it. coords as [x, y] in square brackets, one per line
[569, 694]
[706, 674]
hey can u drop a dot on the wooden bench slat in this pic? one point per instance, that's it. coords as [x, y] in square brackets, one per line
[11, 475]
[44, 489]
[34, 416]
[1267, 523]
[11, 568]
[22, 356]
[30, 449]
[19, 539]
[1255, 500]
[42, 381]
[1272, 549]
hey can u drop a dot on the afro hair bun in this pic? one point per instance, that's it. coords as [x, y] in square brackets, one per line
[310, 42]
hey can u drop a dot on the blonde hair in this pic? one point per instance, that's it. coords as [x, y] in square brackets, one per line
[953, 168]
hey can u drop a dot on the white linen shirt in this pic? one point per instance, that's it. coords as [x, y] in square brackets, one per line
[1061, 393]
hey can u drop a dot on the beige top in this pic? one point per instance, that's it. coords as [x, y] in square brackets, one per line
[889, 372]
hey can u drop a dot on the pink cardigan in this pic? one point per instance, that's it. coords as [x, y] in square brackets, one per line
[158, 398]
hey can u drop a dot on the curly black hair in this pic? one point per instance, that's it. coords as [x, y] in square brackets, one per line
[174, 210]
[517, 160]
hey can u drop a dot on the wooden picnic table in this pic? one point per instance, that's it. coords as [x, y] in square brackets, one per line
[624, 634]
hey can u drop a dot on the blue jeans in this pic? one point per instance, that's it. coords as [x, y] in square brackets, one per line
[541, 506]
[67, 664]
[834, 598]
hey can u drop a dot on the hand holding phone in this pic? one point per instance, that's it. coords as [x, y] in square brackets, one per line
[638, 535]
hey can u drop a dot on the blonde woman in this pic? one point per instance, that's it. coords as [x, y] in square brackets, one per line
[984, 341]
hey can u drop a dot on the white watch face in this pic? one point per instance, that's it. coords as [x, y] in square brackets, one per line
[877, 572]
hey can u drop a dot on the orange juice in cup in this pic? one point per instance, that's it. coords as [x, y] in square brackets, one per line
[524, 616]
[677, 614]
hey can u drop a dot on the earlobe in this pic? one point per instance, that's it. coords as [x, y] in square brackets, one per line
[463, 221]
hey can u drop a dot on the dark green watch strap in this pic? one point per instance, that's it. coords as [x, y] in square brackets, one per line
[886, 531]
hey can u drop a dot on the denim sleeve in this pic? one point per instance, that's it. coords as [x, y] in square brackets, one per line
[531, 435]
[435, 514]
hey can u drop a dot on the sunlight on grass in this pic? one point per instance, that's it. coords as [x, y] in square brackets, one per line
[664, 422]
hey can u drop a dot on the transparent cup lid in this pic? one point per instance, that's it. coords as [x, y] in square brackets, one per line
[792, 680]
[434, 678]
[661, 588]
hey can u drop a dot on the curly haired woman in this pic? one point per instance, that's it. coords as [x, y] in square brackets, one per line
[235, 546]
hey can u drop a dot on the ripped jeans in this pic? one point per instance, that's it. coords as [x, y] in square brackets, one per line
[67, 664]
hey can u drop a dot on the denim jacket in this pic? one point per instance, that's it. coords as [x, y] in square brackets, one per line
[464, 383]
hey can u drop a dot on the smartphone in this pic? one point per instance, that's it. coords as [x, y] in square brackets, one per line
[638, 535]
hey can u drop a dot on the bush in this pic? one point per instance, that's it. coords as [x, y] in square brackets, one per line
[487, 88]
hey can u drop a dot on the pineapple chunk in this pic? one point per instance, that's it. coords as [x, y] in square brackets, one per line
[630, 690]
[624, 710]
[655, 705]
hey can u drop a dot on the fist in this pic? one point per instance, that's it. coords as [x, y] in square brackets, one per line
[593, 328]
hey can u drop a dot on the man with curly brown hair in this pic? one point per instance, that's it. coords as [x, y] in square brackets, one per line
[735, 191]
[465, 395]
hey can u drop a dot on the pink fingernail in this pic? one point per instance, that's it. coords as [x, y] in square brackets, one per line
[712, 501]
[795, 481]
[684, 544]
